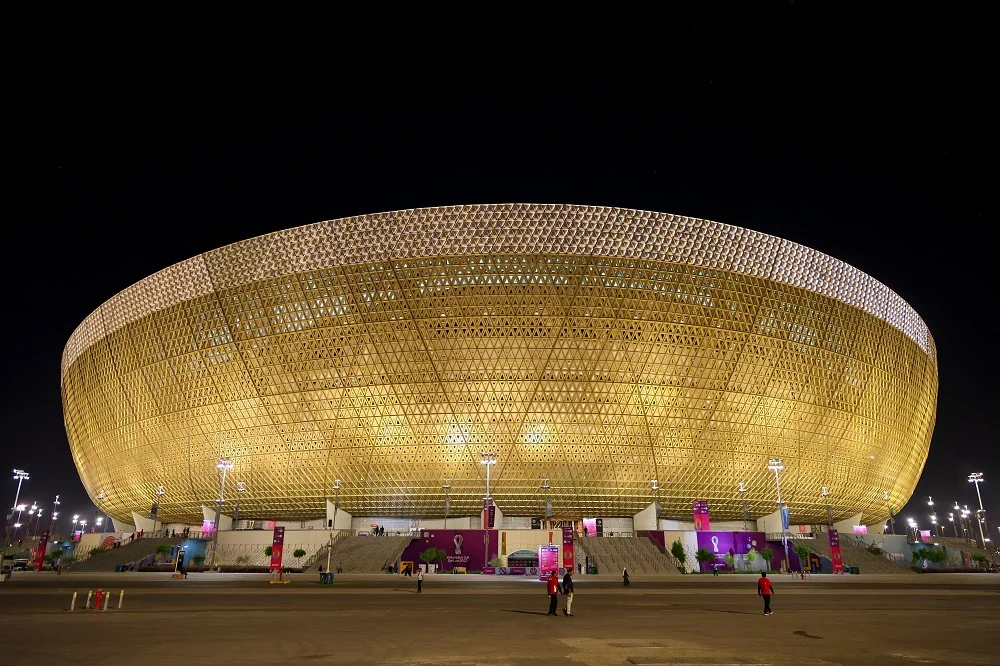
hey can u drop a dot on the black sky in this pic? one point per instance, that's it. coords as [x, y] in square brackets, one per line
[869, 137]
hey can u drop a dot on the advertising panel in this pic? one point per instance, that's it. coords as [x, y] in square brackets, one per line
[835, 556]
[719, 544]
[568, 562]
[277, 546]
[463, 548]
[747, 541]
[43, 542]
[548, 560]
[701, 518]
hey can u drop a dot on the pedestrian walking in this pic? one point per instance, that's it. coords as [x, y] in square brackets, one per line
[625, 576]
[567, 588]
[420, 581]
[765, 589]
[715, 569]
[553, 588]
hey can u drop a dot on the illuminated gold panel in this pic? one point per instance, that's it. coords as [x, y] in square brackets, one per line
[596, 348]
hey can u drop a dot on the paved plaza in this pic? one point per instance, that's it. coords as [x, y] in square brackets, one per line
[232, 618]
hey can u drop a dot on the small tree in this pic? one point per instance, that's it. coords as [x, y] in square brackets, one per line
[268, 550]
[54, 555]
[440, 555]
[163, 549]
[767, 554]
[95, 551]
[428, 556]
[298, 554]
[730, 561]
[981, 559]
[198, 560]
[677, 550]
[802, 551]
[703, 556]
[752, 557]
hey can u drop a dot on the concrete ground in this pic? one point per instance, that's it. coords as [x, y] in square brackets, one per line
[242, 619]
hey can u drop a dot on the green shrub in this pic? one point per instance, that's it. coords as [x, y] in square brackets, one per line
[677, 550]
[242, 559]
[703, 556]
[163, 549]
[197, 560]
[268, 550]
[96, 551]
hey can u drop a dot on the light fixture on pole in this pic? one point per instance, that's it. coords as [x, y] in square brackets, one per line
[825, 492]
[446, 487]
[223, 465]
[241, 488]
[977, 478]
[55, 510]
[892, 518]
[488, 459]
[776, 465]
[930, 503]
[38, 520]
[100, 506]
[913, 526]
[160, 492]
[20, 476]
[742, 490]
[333, 526]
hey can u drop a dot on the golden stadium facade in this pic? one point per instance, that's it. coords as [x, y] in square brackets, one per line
[596, 348]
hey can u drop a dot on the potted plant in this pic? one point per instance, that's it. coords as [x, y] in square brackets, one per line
[677, 550]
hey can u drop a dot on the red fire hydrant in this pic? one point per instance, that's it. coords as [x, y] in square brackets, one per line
[100, 597]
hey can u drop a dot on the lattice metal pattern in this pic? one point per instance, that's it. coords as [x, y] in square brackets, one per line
[597, 348]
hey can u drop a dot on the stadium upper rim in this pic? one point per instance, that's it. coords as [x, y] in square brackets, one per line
[593, 231]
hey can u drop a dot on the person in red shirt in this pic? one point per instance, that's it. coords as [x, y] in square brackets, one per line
[553, 587]
[765, 589]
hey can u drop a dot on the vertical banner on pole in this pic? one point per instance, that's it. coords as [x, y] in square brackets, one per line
[548, 508]
[568, 555]
[43, 542]
[491, 513]
[277, 545]
[835, 557]
[786, 517]
[702, 523]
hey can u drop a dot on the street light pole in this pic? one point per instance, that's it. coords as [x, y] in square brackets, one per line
[224, 465]
[825, 492]
[336, 505]
[100, 507]
[930, 503]
[743, 498]
[447, 499]
[892, 519]
[241, 488]
[160, 492]
[977, 478]
[776, 466]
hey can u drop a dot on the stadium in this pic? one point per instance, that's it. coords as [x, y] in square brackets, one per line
[605, 358]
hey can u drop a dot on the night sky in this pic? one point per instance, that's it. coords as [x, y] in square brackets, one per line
[868, 137]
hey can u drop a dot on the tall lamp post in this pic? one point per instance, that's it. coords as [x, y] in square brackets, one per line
[951, 519]
[977, 478]
[223, 465]
[776, 465]
[55, 509]
[742, 490]
[446, 487]
[892, 518]
[100, 507]
[160, 492]
[20, 476]
[336, 505]
[913, 526]
[241, 488]
[934, 527]
[825, 492]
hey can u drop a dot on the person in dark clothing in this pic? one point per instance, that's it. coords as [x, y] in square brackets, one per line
[567, 589]
[553, 588]
[625, 577]
[765, 589]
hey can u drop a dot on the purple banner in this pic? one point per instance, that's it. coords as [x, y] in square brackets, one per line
[548, 560]
[747, 541]
[719, 544]
[464, 548]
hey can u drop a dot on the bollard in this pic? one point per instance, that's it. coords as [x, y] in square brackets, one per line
[107, 598]
[72, 604]
[98, 599]
[90, 593]
[121, 598]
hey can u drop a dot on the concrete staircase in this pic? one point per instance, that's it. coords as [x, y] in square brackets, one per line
[133, 552]
[638, 554]
[358, 554]
[852, 555]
